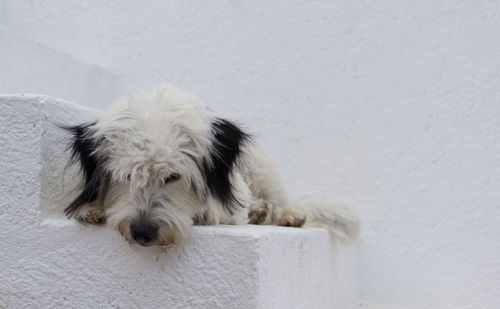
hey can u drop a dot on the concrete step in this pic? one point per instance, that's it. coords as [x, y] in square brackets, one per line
[27, 65]
[51, 262]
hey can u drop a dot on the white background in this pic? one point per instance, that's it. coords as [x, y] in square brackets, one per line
[392, 107]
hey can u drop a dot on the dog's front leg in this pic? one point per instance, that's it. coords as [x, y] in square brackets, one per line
[92, 213]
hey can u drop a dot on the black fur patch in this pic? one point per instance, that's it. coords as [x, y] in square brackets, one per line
[226, 148]
[95, 178]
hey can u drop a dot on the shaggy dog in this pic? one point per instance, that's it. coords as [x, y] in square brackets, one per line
[158, 162]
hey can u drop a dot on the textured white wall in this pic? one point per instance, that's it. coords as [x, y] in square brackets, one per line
[390, 106]
[31, 67]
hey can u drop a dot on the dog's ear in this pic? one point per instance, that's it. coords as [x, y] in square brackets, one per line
[95, 179]
[227, 142]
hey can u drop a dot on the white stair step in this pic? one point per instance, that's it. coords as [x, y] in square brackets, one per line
[51, 262]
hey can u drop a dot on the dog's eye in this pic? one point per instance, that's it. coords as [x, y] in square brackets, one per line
[173, 177]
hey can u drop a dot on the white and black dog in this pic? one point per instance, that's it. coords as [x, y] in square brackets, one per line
[158, 162]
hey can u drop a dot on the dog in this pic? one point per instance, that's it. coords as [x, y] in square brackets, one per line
[156, 163]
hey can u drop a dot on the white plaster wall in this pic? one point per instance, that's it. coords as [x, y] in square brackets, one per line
[30, 67]
[390, 106]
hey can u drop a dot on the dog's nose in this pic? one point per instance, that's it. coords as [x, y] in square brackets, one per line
[143, 233]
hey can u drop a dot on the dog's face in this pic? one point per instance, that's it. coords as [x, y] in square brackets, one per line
[152, 161]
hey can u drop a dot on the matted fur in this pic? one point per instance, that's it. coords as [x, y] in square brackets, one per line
[158, 162]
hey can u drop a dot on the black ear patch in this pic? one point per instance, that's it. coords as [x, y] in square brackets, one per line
[95, 179]
[226, 148]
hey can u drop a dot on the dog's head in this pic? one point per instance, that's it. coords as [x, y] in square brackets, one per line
[153, 160]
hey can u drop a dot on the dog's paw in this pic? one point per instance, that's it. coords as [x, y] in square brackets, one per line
[91, 215]
[260, 212]
[289, 217]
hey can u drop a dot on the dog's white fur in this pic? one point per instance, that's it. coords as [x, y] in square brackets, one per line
[131, 158]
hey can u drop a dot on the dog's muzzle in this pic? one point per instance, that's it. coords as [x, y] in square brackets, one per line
[144, 233]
